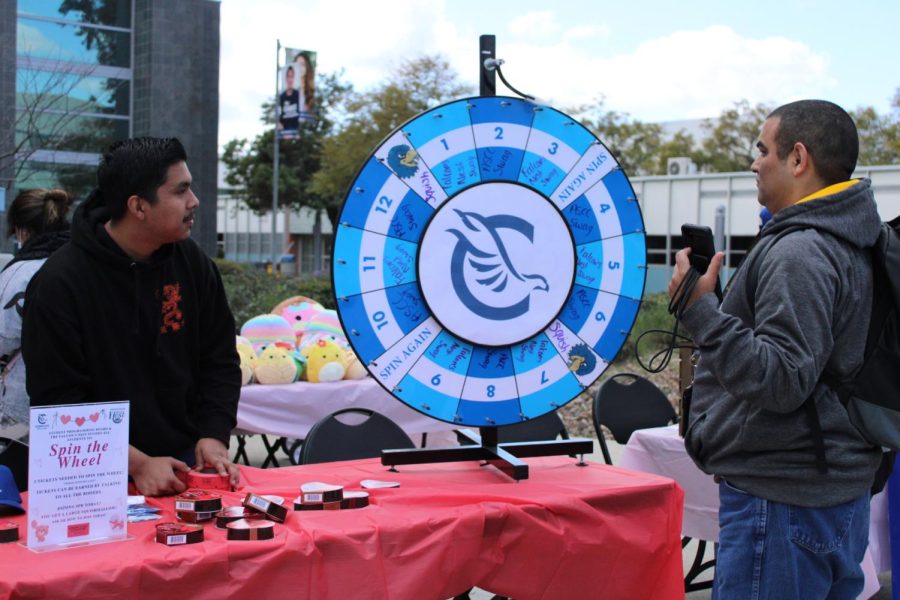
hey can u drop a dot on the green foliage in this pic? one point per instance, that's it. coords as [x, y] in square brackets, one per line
[417, 85]
[250, 164]
[653, 314]
[640, 148]
[253, 292]
[879, 135]
[731, 142]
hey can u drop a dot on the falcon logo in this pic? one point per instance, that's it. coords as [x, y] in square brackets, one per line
[581, 360]
[403, 160]
[484, 275]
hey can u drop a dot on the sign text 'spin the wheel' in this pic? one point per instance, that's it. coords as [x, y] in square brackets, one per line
[489, 261]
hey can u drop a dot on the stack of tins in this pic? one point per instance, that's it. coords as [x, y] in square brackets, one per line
[197, 506]
[316, 495]
[9, 532]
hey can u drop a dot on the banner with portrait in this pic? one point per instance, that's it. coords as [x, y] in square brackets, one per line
[296, 101]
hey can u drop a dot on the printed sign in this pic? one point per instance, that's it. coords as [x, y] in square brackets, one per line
[77, 474]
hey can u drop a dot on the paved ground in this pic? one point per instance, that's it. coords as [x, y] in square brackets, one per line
[257, 453]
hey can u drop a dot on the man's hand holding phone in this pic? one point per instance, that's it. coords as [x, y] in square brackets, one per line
[701, 255]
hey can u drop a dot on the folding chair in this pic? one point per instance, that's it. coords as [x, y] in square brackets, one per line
[349, 434]
[625, 407]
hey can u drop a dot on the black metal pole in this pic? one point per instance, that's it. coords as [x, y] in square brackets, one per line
[488, 80]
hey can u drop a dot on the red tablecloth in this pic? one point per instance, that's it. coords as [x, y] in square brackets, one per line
[566, 532]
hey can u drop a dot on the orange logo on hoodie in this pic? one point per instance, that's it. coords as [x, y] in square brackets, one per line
[173, 318]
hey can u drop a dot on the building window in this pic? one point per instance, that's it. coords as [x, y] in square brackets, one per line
[70, 42]
[112, 13]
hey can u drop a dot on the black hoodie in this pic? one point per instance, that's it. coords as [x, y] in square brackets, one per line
[99, 326]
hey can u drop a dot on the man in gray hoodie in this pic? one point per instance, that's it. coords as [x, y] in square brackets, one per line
[792, 525]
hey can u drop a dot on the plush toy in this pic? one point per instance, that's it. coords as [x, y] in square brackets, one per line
[355, 368]
[324, 325]
[248, 359]
[324, 361]
[263, 330]
[298, 311]
[276, 365]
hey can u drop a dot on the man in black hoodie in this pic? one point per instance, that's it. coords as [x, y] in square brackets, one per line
[131, 309]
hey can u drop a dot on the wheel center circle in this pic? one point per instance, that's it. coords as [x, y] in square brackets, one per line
[496, 263]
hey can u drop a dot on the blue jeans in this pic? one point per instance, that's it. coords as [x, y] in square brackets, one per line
[770, 550]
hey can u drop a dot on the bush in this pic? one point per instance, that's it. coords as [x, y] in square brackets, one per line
[653, 314]
[253, 292]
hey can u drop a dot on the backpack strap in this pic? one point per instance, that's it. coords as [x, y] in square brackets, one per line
[812, 413]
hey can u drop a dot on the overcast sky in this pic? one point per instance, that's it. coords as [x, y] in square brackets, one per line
[656, 60]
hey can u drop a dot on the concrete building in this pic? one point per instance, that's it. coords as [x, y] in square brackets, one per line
[72, 80]
[727, 204]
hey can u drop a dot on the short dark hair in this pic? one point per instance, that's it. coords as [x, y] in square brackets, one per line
[826, 130]
[136, 167]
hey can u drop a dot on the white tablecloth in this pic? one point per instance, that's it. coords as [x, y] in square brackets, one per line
[661, 451]
[291, 410]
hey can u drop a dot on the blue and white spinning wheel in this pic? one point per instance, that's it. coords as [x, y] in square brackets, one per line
[489, 261]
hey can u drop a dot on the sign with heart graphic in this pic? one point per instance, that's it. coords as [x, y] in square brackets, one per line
[77, 475]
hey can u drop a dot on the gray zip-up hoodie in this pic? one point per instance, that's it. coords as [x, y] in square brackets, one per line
[812, 308]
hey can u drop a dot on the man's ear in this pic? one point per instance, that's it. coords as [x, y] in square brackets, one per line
[800, 160]
[136, 206]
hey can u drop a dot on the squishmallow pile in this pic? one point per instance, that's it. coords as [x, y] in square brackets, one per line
[299, 339]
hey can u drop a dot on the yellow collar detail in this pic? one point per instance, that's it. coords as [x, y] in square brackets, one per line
[831, 189]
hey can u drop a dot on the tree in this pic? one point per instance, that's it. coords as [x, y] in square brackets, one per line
[879, 135]
[250, 164]
[731, 141]
[417, 85]
[640, 148]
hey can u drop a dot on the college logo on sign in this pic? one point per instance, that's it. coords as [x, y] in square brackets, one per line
[117, 416]
[483, 272]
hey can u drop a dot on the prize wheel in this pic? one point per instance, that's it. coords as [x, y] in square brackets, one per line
[489, 261]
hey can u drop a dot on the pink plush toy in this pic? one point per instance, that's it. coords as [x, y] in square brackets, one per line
[324, 325]
[298, 311]
[263, 330]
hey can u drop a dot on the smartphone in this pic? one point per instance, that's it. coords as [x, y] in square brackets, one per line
[699, 238]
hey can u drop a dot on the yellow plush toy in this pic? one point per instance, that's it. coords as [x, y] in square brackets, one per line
[324, 361]
[355, 369]
[275, 365]
[248, 359]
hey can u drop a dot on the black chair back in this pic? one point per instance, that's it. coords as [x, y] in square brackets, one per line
[624, 406]
[14, 454]
[333, 439]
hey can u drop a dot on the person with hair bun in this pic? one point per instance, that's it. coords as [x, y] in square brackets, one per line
[37, 218]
